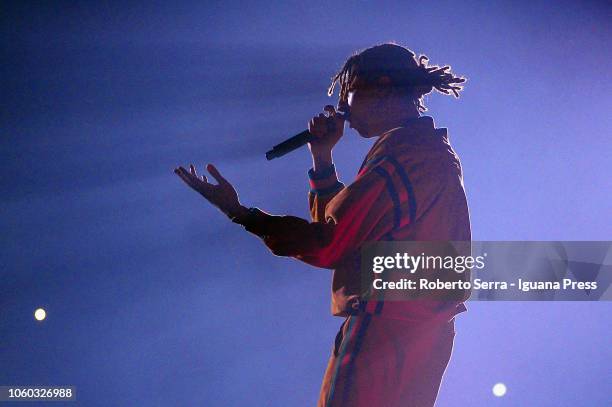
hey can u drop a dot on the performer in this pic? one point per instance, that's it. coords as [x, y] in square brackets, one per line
[409, 187]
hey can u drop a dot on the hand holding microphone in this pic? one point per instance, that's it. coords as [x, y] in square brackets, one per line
[326, 130]
[323, 133]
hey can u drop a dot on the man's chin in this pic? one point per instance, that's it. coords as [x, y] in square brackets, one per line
[363, 133]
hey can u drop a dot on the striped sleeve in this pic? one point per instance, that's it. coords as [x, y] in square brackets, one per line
[399, 187]
[379, 201]
[324, 186]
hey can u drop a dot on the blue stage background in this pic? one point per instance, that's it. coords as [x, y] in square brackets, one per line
[154, 299]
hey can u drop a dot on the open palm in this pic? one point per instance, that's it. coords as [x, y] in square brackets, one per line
[223, 195]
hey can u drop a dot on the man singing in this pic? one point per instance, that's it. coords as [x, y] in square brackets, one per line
[409, 188]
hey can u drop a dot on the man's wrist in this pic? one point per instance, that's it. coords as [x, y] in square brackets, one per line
[321, 160]
[238, 212]
[255, 221]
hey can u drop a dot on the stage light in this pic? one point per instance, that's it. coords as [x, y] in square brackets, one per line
[499, 390]
[40, 314]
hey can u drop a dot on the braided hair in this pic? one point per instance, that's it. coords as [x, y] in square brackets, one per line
[399, 64]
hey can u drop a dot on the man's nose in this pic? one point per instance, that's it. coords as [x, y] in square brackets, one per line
[345, 109]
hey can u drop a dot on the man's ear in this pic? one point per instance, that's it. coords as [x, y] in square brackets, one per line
[384, 87]
[383, 90]
[384, 81]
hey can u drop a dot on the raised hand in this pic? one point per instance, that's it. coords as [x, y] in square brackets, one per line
[223, 195]
[327, 129]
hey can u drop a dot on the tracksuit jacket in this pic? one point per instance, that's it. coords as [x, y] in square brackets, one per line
[409, 187]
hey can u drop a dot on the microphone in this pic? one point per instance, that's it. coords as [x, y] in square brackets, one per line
[289, 145]
[295, 142]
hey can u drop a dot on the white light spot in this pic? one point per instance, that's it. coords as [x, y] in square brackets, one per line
[499, 390]
[40, 314]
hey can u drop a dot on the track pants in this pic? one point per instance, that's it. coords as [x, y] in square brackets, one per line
[381, 362]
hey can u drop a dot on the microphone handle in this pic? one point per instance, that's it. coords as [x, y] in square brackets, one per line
[289, 145]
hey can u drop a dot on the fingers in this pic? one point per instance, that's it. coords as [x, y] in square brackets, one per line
[195, 174]
[330, 109]
[317, 125]
[184, 175]
[324, 123]
[311, 125]
[216, 175]
[189, 177]
[197, 183]
[192, 178]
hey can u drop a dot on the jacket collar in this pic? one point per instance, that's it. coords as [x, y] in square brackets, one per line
[419, 133]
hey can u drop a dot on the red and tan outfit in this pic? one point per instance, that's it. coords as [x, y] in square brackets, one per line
[409, 187]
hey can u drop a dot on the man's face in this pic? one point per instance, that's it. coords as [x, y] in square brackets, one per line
[365, 104]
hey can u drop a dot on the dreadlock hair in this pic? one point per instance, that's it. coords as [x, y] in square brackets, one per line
[399, 64]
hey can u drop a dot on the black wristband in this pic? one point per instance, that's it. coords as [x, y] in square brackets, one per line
[322, 174]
